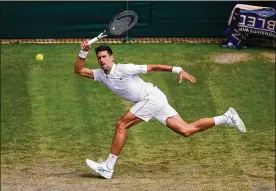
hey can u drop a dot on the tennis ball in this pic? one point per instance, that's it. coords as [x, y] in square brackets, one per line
[39, 57]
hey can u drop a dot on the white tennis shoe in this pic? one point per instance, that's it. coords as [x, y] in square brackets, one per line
[233, 119]
[100, 168]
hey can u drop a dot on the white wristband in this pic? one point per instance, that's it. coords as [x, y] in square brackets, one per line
[83, 54]
[176, 69]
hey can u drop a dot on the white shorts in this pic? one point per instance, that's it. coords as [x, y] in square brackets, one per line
[155, 105]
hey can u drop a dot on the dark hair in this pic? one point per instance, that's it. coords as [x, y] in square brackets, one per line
[103, 48]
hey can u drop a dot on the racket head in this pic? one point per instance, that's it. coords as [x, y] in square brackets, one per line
[122, 23]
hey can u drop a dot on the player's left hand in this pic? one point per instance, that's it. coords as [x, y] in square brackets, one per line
[184, 75]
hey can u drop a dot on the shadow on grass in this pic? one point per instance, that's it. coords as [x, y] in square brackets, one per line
[90, 175]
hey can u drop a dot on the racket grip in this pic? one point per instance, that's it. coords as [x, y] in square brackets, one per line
[93, 40]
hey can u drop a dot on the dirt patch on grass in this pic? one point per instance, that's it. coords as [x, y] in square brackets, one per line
[65, 179]
[269, 56]
[176, 177]
[230, 58]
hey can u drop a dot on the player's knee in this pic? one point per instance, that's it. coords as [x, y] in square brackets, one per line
[186, 132]
[120, 126]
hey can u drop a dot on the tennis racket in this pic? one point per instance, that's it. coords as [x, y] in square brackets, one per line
[118, 26]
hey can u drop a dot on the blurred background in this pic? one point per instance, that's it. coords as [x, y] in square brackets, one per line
[32, 20]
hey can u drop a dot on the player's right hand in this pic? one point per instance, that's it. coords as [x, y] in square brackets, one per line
[85, 46]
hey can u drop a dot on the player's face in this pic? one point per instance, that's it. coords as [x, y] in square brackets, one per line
[105, 60]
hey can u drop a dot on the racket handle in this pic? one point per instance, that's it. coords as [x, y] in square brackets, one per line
[93, 40]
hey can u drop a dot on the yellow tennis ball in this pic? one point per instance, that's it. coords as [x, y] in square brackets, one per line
[39, 57]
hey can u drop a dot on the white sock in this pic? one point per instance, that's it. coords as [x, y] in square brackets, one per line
[111, 160]
[220, 119]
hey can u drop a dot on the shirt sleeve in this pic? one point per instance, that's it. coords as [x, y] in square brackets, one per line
[96, 74]
[132, 69]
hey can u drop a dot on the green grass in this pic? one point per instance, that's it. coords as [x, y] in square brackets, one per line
[52, 120]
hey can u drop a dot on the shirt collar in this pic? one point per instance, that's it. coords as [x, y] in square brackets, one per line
[112, 69]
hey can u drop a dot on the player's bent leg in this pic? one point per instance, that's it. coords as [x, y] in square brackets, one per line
[106, 168]
[125, 122]
[177, 124]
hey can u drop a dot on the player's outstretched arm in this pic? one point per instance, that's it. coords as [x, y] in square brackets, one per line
[182, 74]
[79, 67]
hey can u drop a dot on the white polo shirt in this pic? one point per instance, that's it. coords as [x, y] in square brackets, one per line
[124, 81]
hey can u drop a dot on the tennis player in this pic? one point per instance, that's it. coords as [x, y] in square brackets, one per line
[149, 101]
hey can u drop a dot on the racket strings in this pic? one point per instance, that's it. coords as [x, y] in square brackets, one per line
[122, 23]
[119, 26]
